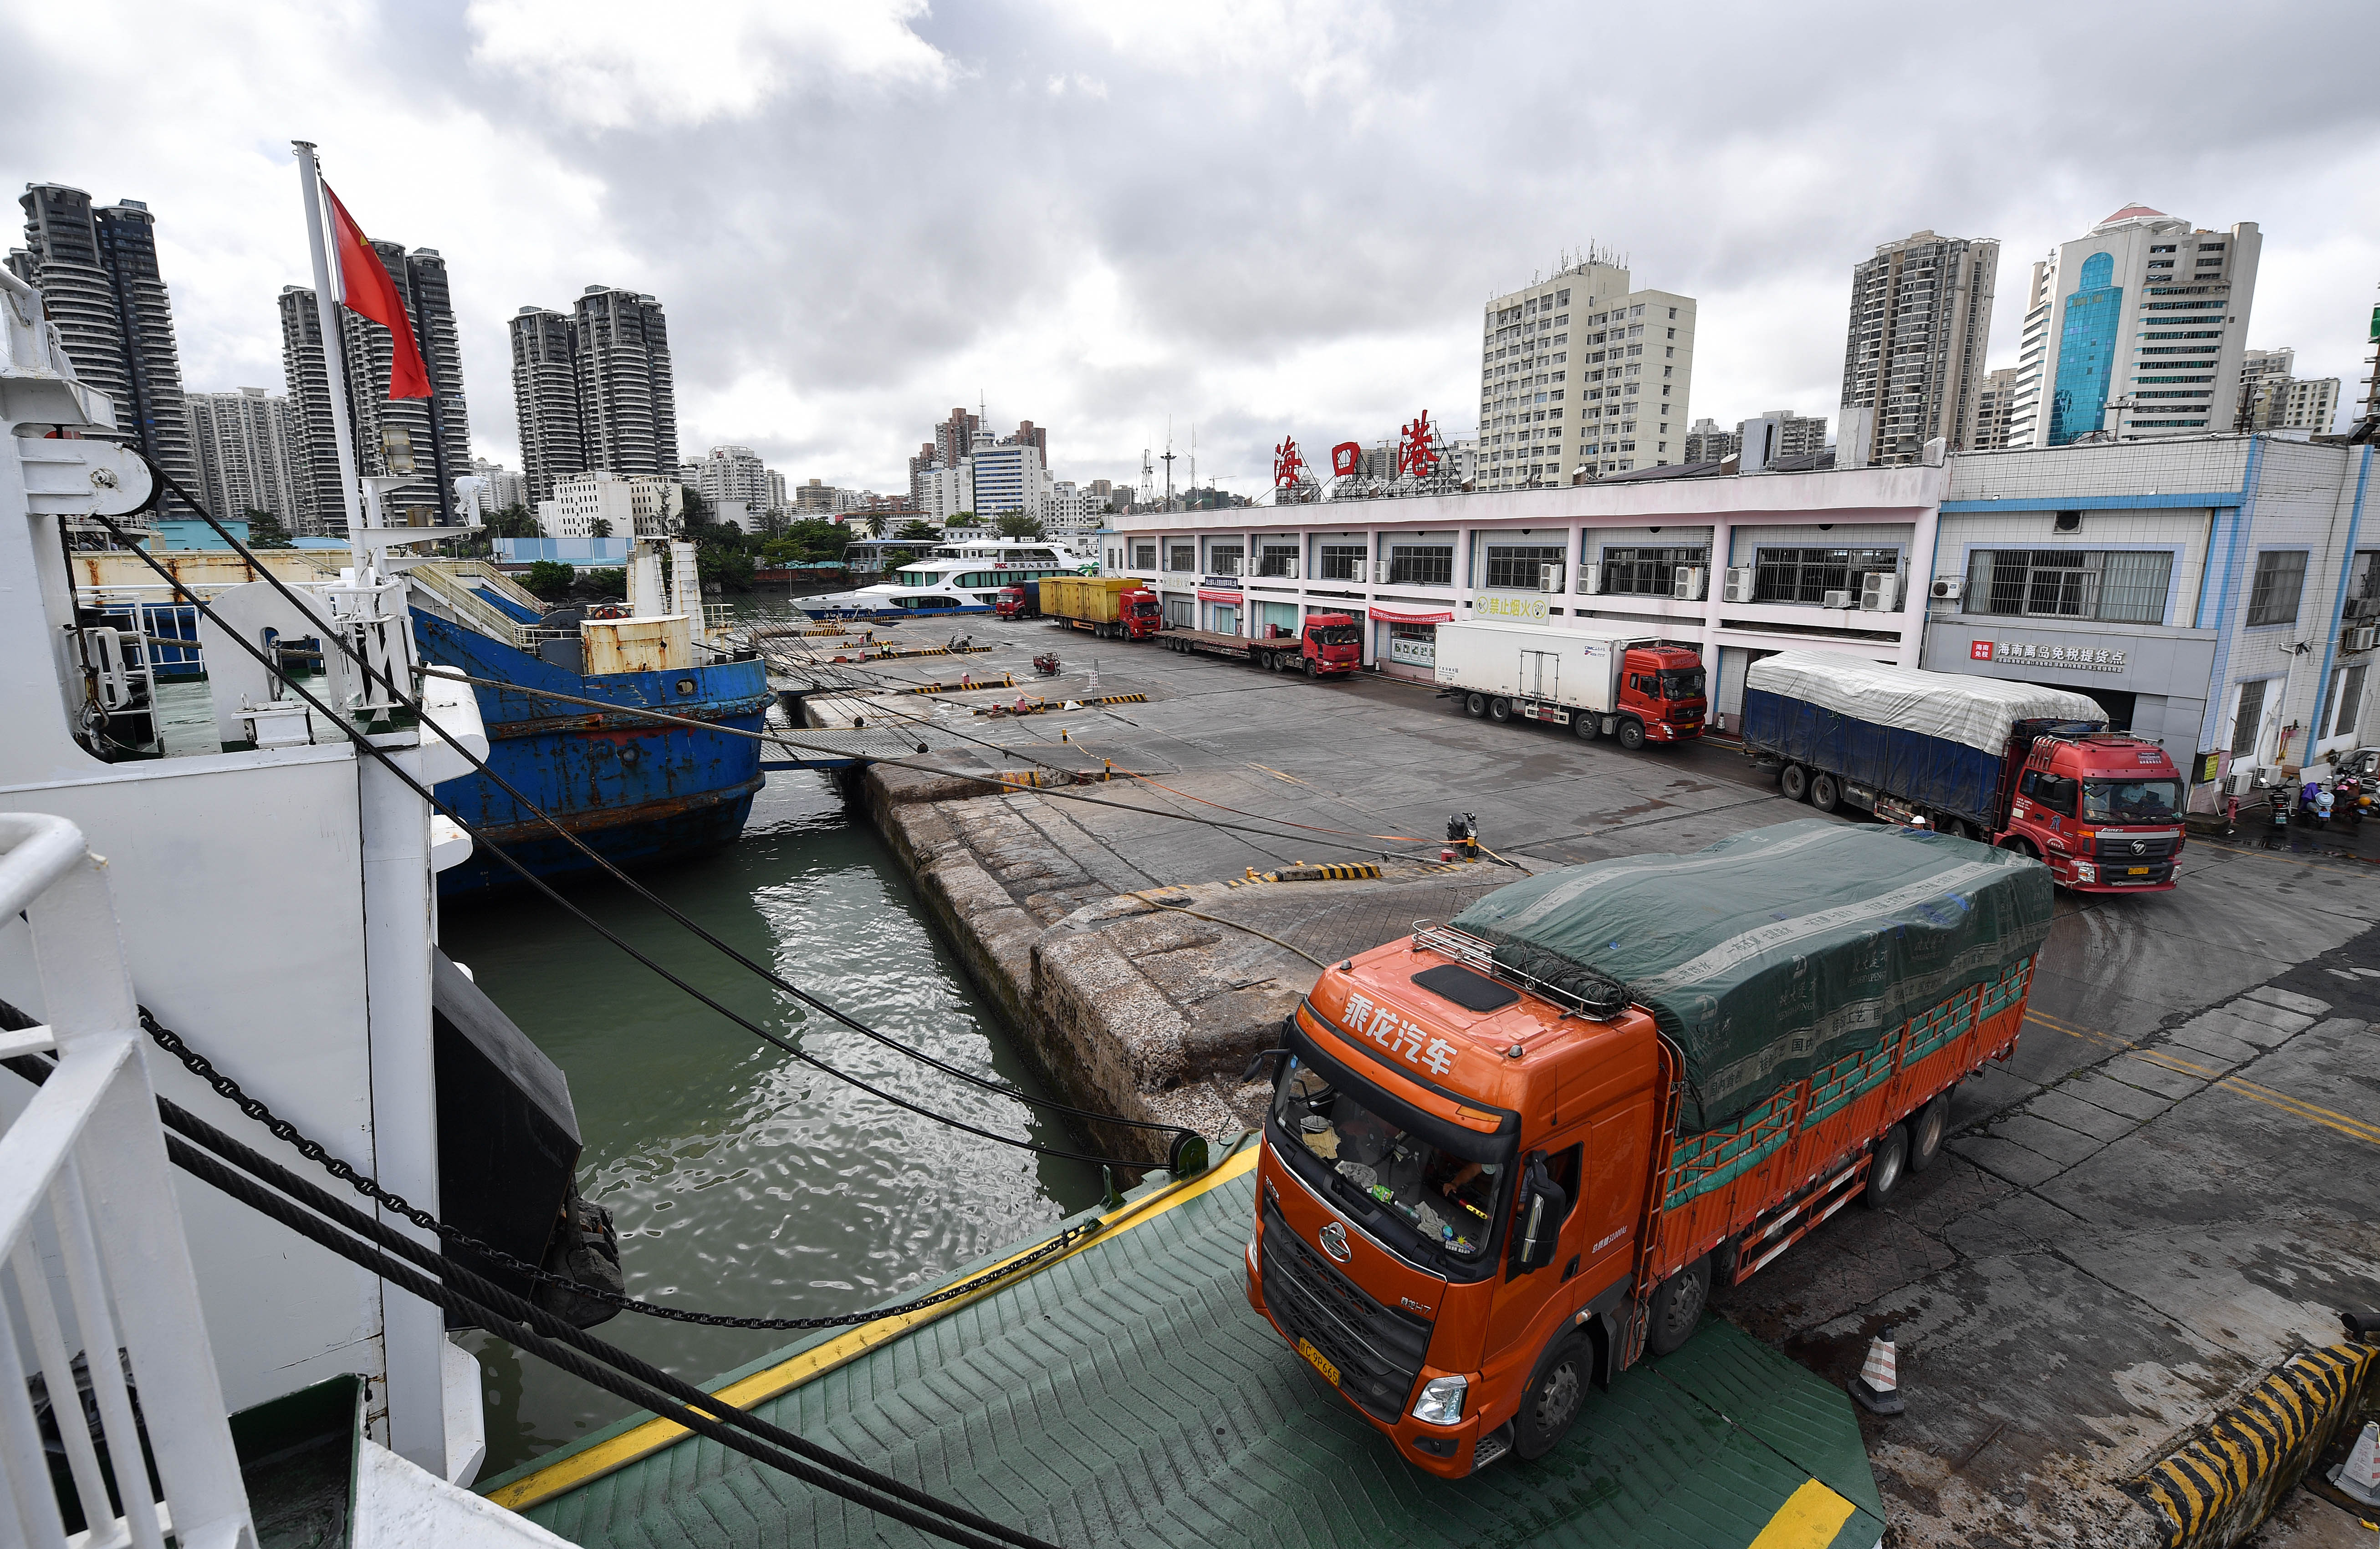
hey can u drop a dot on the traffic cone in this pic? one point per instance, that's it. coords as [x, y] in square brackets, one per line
[2360, 1475]
[1878, 1387]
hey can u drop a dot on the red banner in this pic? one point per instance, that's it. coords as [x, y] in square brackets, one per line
[1397, 615]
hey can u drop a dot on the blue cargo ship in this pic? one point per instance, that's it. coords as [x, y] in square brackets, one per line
[636, 790]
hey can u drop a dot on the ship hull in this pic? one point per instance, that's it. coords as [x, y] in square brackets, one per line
[640, 793]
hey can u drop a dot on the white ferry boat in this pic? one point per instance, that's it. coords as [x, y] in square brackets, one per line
[952, 578]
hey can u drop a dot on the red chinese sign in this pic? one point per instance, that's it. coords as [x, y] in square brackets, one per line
[1415, 454]
[1979, 650]
[1345, 458]
[1288, 463]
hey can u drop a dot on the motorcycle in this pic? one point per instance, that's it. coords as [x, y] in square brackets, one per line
[2322, 803]
[2280, 804]
[2351, 798]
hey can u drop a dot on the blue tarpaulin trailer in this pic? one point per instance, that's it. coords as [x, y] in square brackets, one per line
[1936, 741]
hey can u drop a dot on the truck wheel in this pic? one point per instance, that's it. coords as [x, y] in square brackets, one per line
[1925, 1132]
[1555, 1395]
[1632, 734]
[1793, 782]
[1886, 1168]
[1825, 792]
[1584, 725]
[1677, 1308]
[1309, 667]
[1499, 709]
[1475, 702]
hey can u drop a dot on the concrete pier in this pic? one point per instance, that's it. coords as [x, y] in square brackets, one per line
[2161, 1198]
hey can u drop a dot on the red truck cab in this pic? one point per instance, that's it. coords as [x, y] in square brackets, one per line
[2102, 808]
[1666, 689]
[1331, 644]
[1141, 616]
[1014, 603]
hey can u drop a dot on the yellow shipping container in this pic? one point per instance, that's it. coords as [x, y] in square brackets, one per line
[1085, 596]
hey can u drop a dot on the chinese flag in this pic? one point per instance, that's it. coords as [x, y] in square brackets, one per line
[367, 291]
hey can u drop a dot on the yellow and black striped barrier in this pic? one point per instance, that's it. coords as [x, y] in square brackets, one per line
[2218, 1487]
[1322, 871]
[1007, 680]
[1119, 700]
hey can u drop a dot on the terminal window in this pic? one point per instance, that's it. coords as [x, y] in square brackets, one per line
[1278, 560]
[1341, 562]
[1182, 556]
[1421, 564]
[1514, 566]
[1808, 574]
[1144, 556]
[2112, 586]
[2280, 578]
[1647, 572]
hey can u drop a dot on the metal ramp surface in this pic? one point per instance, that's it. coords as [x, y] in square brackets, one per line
[1126, 1395]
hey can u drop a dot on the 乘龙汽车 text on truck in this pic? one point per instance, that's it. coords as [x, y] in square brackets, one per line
[1507, 1157]
[1595, 678]
[2011, 764]
[1112, 607]
[1324, 645]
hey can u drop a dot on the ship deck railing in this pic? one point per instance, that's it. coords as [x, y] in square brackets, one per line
[92, 1241]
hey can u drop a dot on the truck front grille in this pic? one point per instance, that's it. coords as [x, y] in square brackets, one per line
[2117, 849]
[1379, 1350]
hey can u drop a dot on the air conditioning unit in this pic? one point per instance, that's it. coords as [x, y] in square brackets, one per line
[1590, 579]
[2363, 639]
[2355, 608]
[1949, 588]
[1739, 583]
[1380, 573]
[1550, 577]
[1881, 591]
[1838, 599]
[1689, 583]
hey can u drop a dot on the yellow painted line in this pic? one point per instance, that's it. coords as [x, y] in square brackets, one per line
[1809, 1520]
[2296, 1107]
[567, 1474]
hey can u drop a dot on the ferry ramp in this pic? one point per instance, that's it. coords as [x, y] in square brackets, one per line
[1126, 1394]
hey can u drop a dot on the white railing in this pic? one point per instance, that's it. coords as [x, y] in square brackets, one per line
[88, 1218]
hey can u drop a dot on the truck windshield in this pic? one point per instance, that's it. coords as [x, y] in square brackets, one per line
[1448, 1202]
[1338, 634]
[2130, 801]
[1683, 683]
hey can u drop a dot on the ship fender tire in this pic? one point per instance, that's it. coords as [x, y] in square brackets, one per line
[1927, 1130]
[1826, 791]
[1676, 1310]
[1557, 1392]
[1888, 1168]
[1793, 783]
[1631, 735]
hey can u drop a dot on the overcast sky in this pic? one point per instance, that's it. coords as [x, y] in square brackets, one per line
[1264, 219]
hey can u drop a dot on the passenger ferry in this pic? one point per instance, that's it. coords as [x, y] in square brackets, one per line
[952, 578]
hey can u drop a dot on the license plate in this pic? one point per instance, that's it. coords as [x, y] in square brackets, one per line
[1322, 1363]
[2138, 870]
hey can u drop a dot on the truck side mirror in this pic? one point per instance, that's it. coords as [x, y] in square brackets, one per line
[1258, 1066]
[1543, 1204]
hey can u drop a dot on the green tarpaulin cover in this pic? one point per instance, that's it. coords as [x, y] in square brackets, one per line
[1774, 952]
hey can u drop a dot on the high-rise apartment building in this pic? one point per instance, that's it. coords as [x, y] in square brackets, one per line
[247, 453]
[1921, 319]
[2290, 403]
[436, 430]
[96, 268]
[1706, 443]
[1582, 372]
[1994, 411]
[733, 472]
[2136, 329]
[777, 506]
[489, 487]
[594, 388]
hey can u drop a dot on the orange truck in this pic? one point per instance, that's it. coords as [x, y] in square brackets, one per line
[1508, 1157]
[1325, 646]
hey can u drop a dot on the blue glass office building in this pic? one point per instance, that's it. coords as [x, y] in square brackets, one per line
[2086, 352]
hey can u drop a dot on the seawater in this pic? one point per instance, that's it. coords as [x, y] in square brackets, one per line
[743, 1180]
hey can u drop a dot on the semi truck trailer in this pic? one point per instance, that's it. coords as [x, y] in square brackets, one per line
[1508, 1157]
[2026, 768]
[1112, 607]
[1596, 679]
[1324, 645]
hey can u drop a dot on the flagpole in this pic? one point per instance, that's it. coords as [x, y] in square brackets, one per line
[334, 354]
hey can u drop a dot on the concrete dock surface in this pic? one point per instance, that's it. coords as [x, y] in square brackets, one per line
[2168, 1192]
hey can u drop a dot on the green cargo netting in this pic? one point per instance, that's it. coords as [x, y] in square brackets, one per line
[1776, 951]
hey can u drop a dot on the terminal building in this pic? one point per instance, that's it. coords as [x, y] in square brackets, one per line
[2218, 595]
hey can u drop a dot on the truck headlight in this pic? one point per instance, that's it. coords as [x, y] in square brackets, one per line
[2085, 872]
[1441, 1400]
